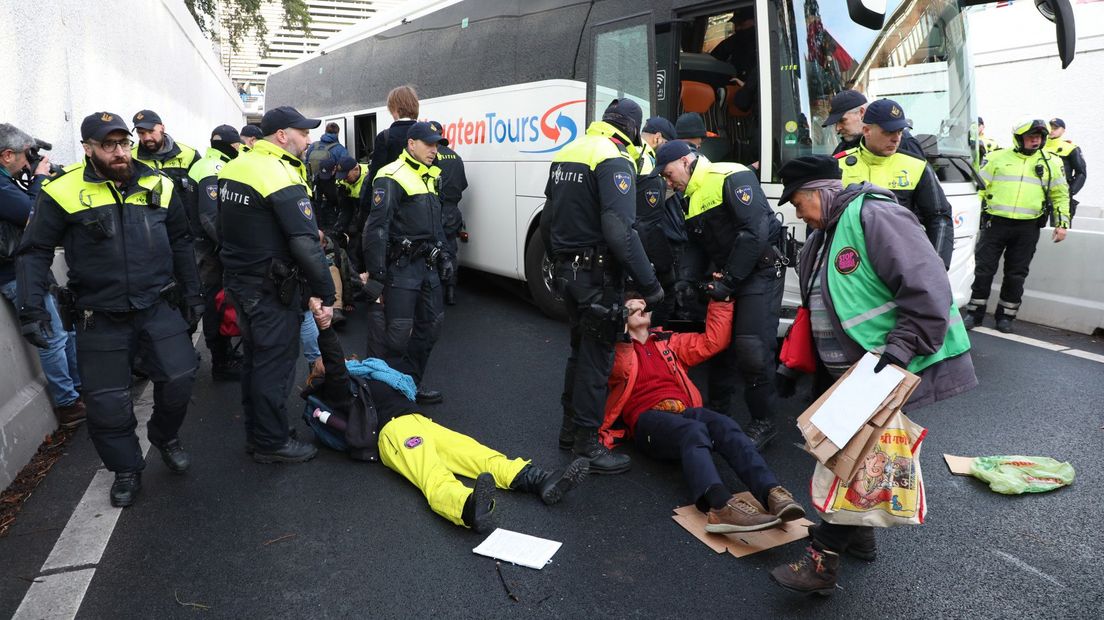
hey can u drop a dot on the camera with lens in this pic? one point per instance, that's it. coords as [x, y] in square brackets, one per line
[34, 156]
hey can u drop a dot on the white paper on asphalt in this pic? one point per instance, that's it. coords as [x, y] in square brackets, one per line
[855, 400]
[518, 548]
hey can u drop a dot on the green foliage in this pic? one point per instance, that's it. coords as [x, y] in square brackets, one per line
[235, 21]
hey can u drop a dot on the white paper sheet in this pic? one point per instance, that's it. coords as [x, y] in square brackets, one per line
[517, 548]
[855, 400]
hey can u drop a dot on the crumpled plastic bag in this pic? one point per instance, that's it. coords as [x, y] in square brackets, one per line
[1013, 475]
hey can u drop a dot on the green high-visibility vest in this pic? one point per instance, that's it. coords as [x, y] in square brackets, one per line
[595, 147]
[408, 173]
[183, 159]
[213, 161]
[73, 193]
[267, 169]
[705, 189]
[900, 172]
[864, 304]
[354, 188]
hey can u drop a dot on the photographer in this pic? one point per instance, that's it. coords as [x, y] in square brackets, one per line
[58, 352]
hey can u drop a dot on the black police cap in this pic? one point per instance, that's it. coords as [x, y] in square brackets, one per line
[251, 131]
[97, 125]
[285, 117]
[436, 127]
[1057, 122]
[424, 132]
[662, 126]
[671, 151]
[690, 125]
[626, 114]
[843, 102]
[801, 170]
[225, 133]
[146, 119]
[887, 114]
[346, 164]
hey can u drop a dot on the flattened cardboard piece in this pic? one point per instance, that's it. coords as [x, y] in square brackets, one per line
[743, 543]
[959, 465]
[845, 461]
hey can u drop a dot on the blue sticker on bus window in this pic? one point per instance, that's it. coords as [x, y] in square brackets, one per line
[305, 208]
[623, 182]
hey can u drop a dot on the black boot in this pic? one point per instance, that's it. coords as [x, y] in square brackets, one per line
[1004, 322]
[172, 452]
[478, 513]
[550, 486]
[450, 294]
[760, 401]
[567, 431]
[973, 318]
[224, 366]
[602, 461]
[125, 488]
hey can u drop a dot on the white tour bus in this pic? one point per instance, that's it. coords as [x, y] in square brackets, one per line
[514, 82]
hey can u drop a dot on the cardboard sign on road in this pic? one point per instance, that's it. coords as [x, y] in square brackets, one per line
[742, 543]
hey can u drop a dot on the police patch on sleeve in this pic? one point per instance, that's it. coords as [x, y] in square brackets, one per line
[652, 197]
[304, 205]
[623, 182]
[212, 191]
[377, 195]
[743, 194]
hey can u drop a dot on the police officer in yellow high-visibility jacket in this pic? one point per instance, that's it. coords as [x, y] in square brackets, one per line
[159, 151]
[1024, 188]
[1072, 159]
[878, 161]
[127, 247]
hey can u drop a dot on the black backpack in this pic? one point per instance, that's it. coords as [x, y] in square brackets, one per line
[320, 161]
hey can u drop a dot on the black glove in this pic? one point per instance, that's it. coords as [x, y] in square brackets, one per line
[652, 300]
[373, 289]
[785, 385]
[718, 290]
[37, 332]
[887, 359]
[685, 295]
[447, 269]
[193, 312]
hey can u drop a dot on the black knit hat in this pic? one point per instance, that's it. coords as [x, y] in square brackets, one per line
[801, 170]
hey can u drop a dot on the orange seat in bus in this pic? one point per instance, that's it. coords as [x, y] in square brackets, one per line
[730, 94]
[697, 97]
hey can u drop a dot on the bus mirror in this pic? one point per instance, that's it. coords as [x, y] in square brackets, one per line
[868, 13]
[1060, 12]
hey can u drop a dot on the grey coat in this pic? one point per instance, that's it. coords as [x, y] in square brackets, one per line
[904, 259]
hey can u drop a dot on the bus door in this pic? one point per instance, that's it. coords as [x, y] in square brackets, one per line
[622, 62]
[364, 128]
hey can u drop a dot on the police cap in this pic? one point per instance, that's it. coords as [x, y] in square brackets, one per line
[843, 102]
[671, 151]
[251, 131]
[146, 119]
[436, 127]
[285, 117]
[625, 114]
[801, 170]
[1057, 122]
[225, 133]
[346, 164]
[97, 125]
[662, 126]
[887, 114]
[424, 132]
[690, 125]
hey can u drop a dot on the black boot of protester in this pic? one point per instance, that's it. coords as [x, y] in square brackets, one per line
[478, 513]
[550, 486]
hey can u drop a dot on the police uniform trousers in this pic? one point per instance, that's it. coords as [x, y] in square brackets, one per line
[210, 278]
[452, 221]
[326, 199]
[591, 359]
[751, 355]
[107, 345]
[270, 339]
[414, 309]
[692, 437]
[431, 456]
[1016, 240]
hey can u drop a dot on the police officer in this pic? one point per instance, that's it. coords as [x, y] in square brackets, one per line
[848, 108]
[272, 260]
[651, 217]
[453, 182]
[127, 247]
[878, 160]
[730, 222]
[1025, 190]
[587, 228]
[988, 145]
[201, 202]
[249, 135]
[1072, 160]
[352, 178]
[658, 131]
[404, 248]
[159, 151]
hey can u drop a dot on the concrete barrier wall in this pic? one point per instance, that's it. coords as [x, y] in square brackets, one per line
[64, 60]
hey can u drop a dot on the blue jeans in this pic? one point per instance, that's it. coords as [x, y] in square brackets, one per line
[59, 359]
[308, 338]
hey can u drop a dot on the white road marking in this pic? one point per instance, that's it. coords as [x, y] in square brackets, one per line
[1085, 355]
[1042, 344]
[55, 596]
[1027, 567]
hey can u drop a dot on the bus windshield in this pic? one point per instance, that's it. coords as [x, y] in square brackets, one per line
[919, 58]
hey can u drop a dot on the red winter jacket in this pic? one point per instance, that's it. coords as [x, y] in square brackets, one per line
[680, 351]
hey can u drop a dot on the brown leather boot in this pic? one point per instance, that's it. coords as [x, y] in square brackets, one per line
[72, 415]
[814, 573]
[781, 504]
[738, 516]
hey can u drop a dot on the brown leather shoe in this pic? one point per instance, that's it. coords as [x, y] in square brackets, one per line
[70, 415]
[781, 504]
[738, 516]
[814, 573]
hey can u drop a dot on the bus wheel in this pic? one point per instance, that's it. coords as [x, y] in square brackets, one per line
[538, 275]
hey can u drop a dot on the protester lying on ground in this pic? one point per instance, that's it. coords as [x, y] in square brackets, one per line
[369, 397]
[871, 282]
[653, 402]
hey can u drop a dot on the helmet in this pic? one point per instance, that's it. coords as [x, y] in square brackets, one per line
[1025, 127]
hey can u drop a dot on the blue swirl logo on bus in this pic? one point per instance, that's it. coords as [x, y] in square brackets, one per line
[547, 132]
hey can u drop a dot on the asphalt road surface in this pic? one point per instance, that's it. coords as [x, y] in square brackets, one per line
[338, 538]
